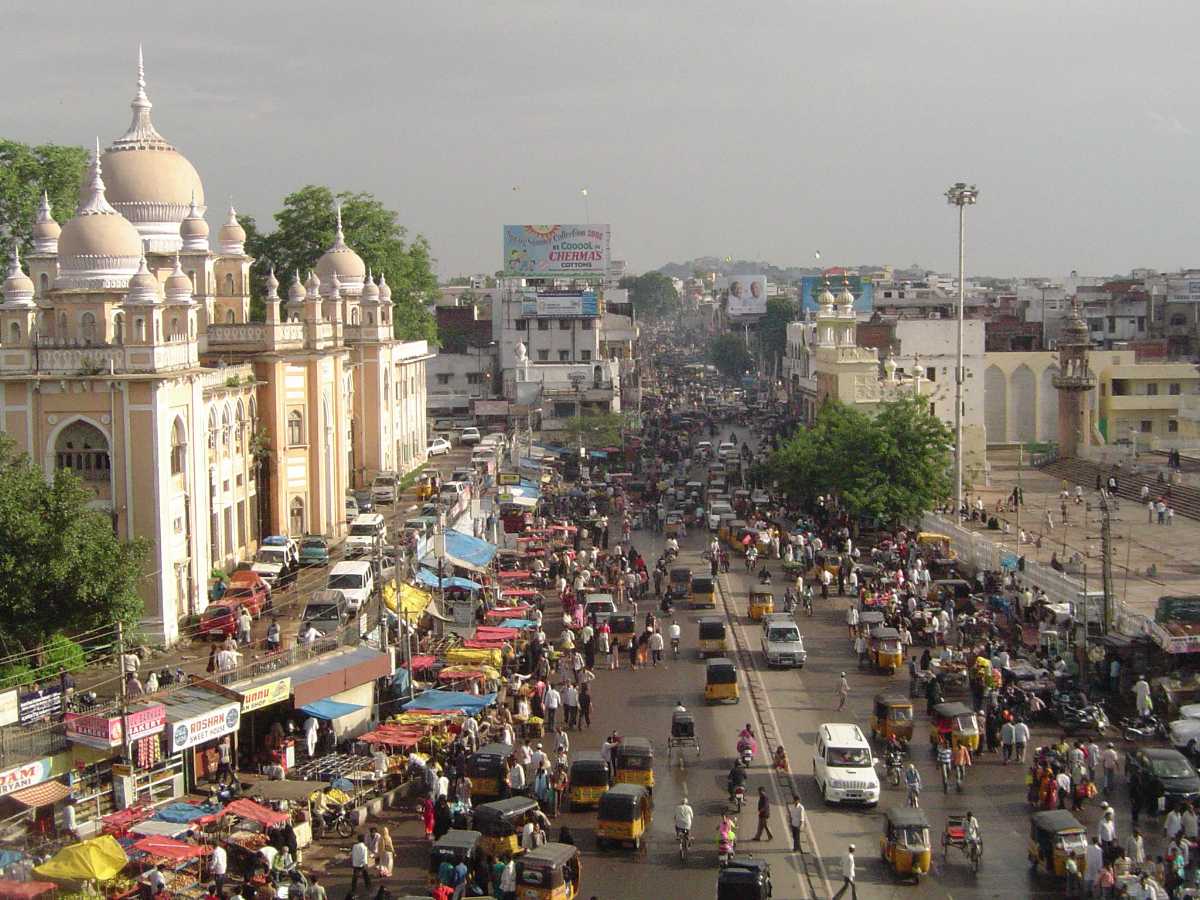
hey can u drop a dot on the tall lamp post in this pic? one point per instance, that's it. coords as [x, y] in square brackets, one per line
[960, 195]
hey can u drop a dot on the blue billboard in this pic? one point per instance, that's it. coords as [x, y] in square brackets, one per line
[812, 285]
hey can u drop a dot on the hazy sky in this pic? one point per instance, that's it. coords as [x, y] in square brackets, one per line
[764, 129]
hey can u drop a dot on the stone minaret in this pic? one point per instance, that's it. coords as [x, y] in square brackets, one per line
[1074, 384]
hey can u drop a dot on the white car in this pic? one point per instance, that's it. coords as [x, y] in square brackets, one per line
[782, 645]
[437, 447]
[1185, 736]
[469, 436]
[843, 766]
[717, 509]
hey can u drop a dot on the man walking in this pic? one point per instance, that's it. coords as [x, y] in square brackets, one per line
[843, 691]
[1008, 734]
[764, 816]
[1020, 739]
[847, 876]
[551, 702]
[796, 821]
[359, 860]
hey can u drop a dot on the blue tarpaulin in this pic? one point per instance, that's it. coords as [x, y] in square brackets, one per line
[598, 454]
[468, 552]
[523, 490]
[181, 813]
[518, 623]
[451, 700]
[430, 579]
[329, 709]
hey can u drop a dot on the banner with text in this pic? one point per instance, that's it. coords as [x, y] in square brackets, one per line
[553, 250]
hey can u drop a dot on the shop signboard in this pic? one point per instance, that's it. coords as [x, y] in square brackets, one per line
[39, 704]
[509, 478]
[9, 710]
[25, 775]
[207, 726]
[550, 250]
[1177, 609]
[144, 722]
[266, 694]
[101, 732]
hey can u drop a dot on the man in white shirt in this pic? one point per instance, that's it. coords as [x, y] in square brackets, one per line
[656, 647]
[1020, 739]
[360, 858]
[847, 876]
[516, 780]
[218, 865]
[1141, 692]
[551, 702]
[796, 821]
[852, 621]
[570, 702]
[683, 817]
[1093, 863]
[508, 879]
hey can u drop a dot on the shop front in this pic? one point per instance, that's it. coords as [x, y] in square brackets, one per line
[198, 719]
[262, 735]
[29, 795]
[97, 784]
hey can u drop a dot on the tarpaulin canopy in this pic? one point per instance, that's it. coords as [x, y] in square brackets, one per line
[162, 829]
[169, 848]
[430, 579]
[485, 643]
[25, 890]
[514, 574]
[456, 656]
[423, 662]
[97, 859]
[456, 673]
[255, 812]
[520, 500]
[508, 612]
[519, 592]
[494, 632]
[519, 623]
[396, 735]
[329, 709]
[469, 552]
[180, 813]
[449, 700]
[413, 601]
[45, 794]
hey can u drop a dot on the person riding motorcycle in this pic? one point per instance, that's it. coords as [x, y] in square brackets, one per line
[764, 576]
[726, 835]
[675, 633]
[737, 779]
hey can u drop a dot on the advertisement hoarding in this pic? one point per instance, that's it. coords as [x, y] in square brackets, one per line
[745, 295]
[266, 694]
[811, 287]
[205, 727]
[25, 775]
[556, 250]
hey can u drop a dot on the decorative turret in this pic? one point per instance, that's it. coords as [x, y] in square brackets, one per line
[827, 319]
[1074, 382]
[18, 287]
[231, 238]
[272, 298]
[194, 229]
[295, 300]
[143, 287]
[45, 229]
[178, 287]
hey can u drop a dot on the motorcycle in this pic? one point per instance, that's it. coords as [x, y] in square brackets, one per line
[1086, 717]
[739, 796]
[895, 767]
[746, 750]
[334, 821]
[675, 647]
[1141, 728]
[764, 576]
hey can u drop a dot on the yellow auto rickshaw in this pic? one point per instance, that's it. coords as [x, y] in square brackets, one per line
[500, 822]
[737, 528]
[623, 628]
[883, 647]
[892, 716]
[455, 846]
[624, 814]
[714, 637]
[587, 779]
[634, 762]
[938, 543]
[761, 603]
[956, 723]
[424, 487]
[550, 872]
[1053, 836]
[720, 680]
[905, 842]
[486, 769]
[703, 595]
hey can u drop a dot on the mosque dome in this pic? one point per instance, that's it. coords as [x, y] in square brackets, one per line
[178, 285]
[98, 247]
[370, 292]
[296, 289]
[143, 286]
[342, 261]
[45, 230]
[18, 287]
[231, 237]
[385, 291]
[193, 231]
[150, 182]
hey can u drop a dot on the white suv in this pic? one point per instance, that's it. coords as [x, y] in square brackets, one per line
[843, 767]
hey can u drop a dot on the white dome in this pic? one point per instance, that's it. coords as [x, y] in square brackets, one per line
[193, 231]
[178, 287]
[98, 248]
[45, 230]
[342, 261]
[143, 287]
[18, 287]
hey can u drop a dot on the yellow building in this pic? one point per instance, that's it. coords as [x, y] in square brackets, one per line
[127, 355]
[1145, 402]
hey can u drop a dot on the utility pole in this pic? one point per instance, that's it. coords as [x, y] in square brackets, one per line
[1106, 561]
[1019, 498]
[960, 195]
[121, 663]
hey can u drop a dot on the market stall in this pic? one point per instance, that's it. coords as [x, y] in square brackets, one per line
[295, 798]
[97, 860]
[27, 890]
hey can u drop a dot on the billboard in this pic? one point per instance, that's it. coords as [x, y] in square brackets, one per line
[746, 295]
[811, 287]
[559, 303]
[555, 250]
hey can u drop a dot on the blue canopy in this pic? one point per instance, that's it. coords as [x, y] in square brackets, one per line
[597, 454]
[430, 579]
[180, 813]
[523, 490]
[329, 709]
[469, 552]
[518, 623]
[439, 700]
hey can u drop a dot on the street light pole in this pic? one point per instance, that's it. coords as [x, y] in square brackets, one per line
[960, 195]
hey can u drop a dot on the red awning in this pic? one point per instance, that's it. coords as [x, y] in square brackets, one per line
[495, 632]
[514, 574]
[509, 612]
[484, 643]
[255, 812]
[423, 662]
[169, 848]
[519, 592]
[45, 794]
[25, 890]
[395, 735]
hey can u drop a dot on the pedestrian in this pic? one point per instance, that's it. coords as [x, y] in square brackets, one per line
[551, 701]
[656, 648]
[1020, 739]
[245, 626]
[764, 816]
[1108, 835]
[1108, 764]
[847, 876]
[359, 858]
[843, 692]
[796, 821]
[585, 706]
[218, 864]
[570, 702]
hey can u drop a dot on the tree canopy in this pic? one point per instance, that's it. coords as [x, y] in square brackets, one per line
[728, 352]
[305, 228]
[653, 294]
[772, 330]
[597, 430]
[26, 171]
[62, 569]
[891, 467]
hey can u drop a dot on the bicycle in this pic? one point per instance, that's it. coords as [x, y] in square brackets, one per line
[914, 795]
[685, 842]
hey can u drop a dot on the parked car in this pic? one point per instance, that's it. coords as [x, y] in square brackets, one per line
[383, 488]
[314, 550]
[247, 577]
[470, 436]
[366, 504]
[355, 579]
[220, 620]
[437, 447]
[1163, 772]
[327, 611]
[366, 534]
[277, 560]
[352, 509]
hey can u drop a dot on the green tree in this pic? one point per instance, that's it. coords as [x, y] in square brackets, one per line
[729, 354]
[598, 429]
[305, 228]
[653, 294]
[772, 330]
[26, 171]
[62, 569]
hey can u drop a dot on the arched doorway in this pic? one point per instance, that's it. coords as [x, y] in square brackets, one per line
[83, 448]
[1024, 403]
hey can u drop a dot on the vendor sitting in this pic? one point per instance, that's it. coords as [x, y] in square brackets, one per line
[283, 862]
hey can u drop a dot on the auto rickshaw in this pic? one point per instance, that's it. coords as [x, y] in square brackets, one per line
[634, 762]
[1053, 835]
[955, 722]
[424, 487]
[892, 716]
[713, 635]
[455, 846]
[679, 582]
[683, 734]
[883, 647]
[761, 603]
[703, 593]
[744, 878]
[733, 538]
[720, 680]
[829, 560]
[869, 620]
[486, 769]
[624, 814]
[905, 842]
[549, 872]
[939, 544]
[588, 779]
[623, 627]
[500, 823]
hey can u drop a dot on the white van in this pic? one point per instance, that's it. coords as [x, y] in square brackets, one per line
[383, 488]
[355, 579]
[843, 766]
[366, 533]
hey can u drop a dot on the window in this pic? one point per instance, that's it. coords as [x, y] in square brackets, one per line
[229, 317]
[522, 325]
[296, 516]
[14, 332]
[1173, 389]
[585, 325]
[1178, 320]
[564, 355]
[1147, 426]
[931, 373]
[87, 327]
[543, 324]
[564, 324]
[443, 379]
[543, 355]
[239, 430]
[1112, 324]
[43, 284]
[474, 378]
[83, 448]
[1141, 323]
[1172, 426]
[178, 448]
[295, 423]
[229, 284]
[564, 410]
[585, 355]
[1152, 390]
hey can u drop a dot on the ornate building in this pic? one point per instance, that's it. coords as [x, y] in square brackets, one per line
[127, 355]
[1074, 383]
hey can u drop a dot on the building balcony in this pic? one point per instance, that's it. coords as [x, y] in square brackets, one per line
[1147, 402]
[250, 336]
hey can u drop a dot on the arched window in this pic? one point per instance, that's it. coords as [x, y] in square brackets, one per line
[119, 328]
[370, 318]
[174, 332]
[229, 317]
[354, 316]
[295, 429]
[296, 516]
[87, 328]
[225, 428]
[212, 429]
[62, 326]
[192, 279]
[14, 332]
[83, 448]
[178, 448]
[253, 414]
[229, 284]
[239, 430]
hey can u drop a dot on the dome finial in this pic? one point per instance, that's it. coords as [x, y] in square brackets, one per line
[141, 132]
[95, 203]
[339, 239]
[18, 287]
